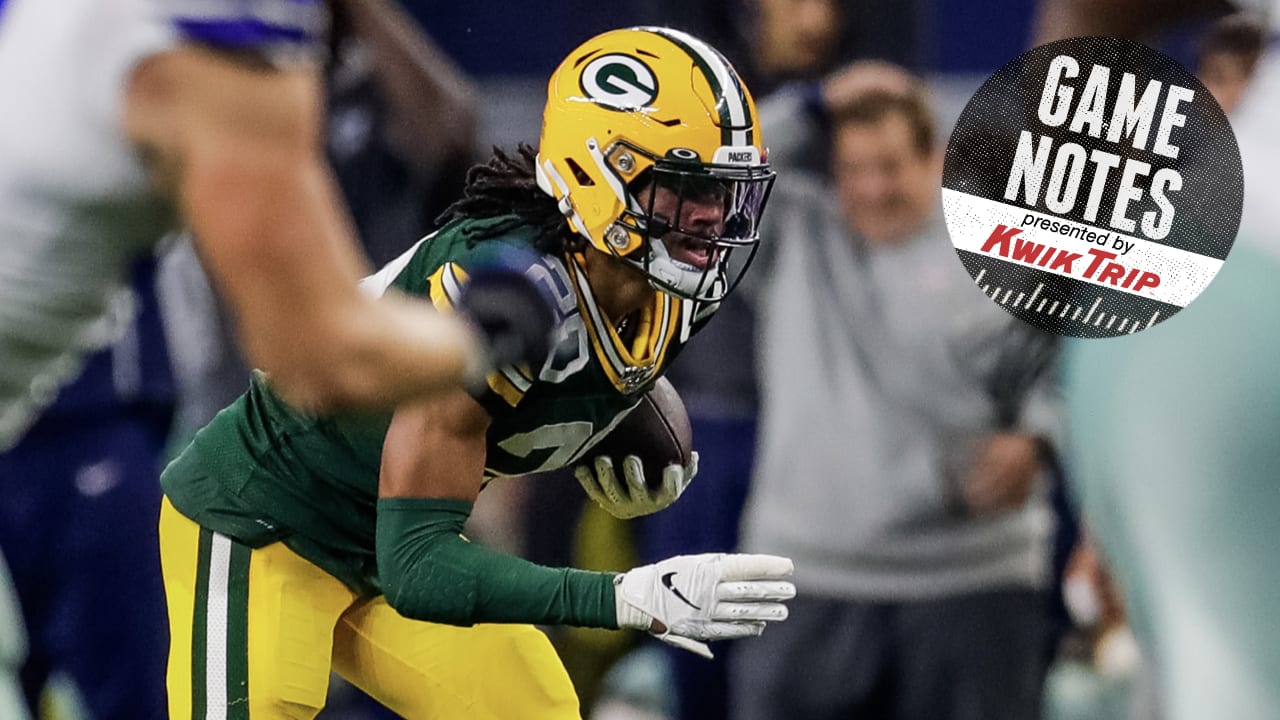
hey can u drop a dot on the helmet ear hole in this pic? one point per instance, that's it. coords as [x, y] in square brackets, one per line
[579, 174]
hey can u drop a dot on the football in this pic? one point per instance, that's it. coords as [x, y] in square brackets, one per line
[657, 431]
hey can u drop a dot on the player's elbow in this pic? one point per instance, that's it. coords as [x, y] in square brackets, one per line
[326, 374]
[423, 560]
[356, 353]
[436, 605]
[318, 385]
[333, 358]
[422, 588]
[312, 364]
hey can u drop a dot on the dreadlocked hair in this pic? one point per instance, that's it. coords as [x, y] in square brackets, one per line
[507, 187]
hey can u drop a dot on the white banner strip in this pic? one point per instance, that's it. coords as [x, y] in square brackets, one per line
[1090, 254]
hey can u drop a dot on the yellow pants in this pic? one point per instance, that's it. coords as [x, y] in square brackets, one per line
[255, 634]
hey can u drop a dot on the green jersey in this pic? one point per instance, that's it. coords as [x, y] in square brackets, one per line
[264, 471]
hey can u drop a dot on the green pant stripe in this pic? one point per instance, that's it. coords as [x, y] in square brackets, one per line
[199, 627]
[220, 630]
[238, 634]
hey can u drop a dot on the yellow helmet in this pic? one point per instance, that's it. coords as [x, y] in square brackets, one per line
[637, 117]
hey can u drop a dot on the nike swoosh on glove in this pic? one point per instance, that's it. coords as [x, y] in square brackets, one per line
[690, 599]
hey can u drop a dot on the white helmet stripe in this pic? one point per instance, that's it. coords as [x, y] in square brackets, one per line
[545, 173]
[725, 77]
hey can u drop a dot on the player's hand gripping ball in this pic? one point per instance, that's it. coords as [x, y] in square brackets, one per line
[647, 461]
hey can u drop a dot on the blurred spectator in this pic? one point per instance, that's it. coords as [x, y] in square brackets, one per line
[799, 117]
[79, 498]
[1098, 673]
[793, 40]
[773, 42]
[1132, 19]
[905, 420]
[401, 129]
[1229, 52]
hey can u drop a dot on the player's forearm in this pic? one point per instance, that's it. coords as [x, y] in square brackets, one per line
[430, 572]
[237, 146]
[281, 250]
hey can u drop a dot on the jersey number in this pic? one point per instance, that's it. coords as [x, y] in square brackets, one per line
[570, 340]
[567, 442]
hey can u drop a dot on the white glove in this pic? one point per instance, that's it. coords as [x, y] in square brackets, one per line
[635, 498]
[715, 596]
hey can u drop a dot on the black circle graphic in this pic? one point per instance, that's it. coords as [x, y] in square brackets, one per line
[1092, 187]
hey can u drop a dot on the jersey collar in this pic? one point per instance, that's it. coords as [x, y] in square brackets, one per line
[631, 367]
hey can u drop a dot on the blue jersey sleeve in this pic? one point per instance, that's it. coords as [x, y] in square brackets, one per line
[276, 30]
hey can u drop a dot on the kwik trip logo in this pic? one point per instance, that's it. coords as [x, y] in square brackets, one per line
[1092, 187]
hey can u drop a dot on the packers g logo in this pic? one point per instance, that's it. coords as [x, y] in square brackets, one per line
[620, 81]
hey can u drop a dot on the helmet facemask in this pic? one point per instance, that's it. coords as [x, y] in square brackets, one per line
[699, 222]
[643, 130]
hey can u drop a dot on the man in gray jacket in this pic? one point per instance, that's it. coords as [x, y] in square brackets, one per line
[905, 425]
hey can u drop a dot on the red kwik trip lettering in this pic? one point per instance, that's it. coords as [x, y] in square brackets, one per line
[1000, 236]
[1143, 278]
[1098, 257]
[1112, 273]
[1146, 280]
[1064, 260]
[1026, 251]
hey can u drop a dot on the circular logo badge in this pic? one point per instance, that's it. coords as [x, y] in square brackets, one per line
[620, 81]
[1092, 187]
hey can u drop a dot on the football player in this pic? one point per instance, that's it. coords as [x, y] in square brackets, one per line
[295, 543]
[124, 117]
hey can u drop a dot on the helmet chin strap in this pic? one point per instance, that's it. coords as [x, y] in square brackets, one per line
[664, 269]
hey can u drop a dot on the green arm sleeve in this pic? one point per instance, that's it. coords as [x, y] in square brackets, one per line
[430, 572]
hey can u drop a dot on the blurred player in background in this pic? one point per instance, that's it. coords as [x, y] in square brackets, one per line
[79, 498]
[1174, 452]
[297, 541]
[125, 118]
[1228, 55]
[400, 134]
